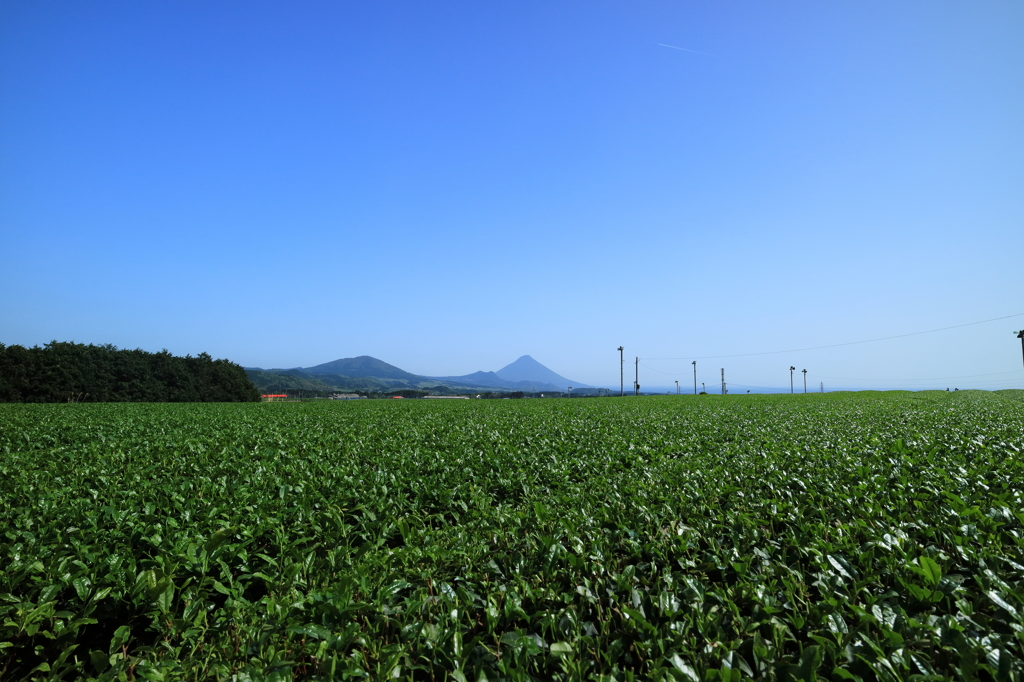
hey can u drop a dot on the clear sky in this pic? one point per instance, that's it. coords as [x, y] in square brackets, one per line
[449, 185]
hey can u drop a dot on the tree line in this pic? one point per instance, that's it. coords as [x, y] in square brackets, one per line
[75, 372]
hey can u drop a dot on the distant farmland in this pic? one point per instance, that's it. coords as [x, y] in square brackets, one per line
[840, 536]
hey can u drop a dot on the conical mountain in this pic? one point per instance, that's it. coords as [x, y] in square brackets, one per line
[528, 369]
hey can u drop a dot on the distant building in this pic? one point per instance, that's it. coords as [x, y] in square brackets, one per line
[347, 396]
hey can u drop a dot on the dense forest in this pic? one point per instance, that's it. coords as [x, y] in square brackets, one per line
[75, 372]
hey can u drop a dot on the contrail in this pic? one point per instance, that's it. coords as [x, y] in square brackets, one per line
[686, 50]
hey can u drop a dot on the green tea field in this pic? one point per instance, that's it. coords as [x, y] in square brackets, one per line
[874, 536]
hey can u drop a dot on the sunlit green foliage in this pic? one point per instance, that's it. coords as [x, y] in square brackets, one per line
[872, 536]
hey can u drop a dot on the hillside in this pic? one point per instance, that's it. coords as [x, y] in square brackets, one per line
[274, 381]
[280, 381]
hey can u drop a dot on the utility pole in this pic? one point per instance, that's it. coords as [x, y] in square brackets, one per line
[570, 391]
[677, 386]
[694, 377]
[622, 385]
[723, 381]
[636, 380]
[805, 380]
[791, 369]
[1020, 335]
[823, 387]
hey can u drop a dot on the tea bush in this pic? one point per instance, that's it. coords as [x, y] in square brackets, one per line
[838, 536]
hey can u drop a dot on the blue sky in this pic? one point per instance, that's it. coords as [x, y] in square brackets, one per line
[448, 186]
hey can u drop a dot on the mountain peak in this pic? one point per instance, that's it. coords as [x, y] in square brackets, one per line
[528, 369]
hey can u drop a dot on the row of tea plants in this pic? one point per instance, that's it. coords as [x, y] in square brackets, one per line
[873, 536]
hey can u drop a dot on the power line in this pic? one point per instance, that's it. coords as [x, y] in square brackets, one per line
[863, 379]
[966, 376]
[658, 370]
[848, 343]
[920, 384]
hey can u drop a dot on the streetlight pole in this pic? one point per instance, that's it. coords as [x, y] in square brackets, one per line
[694, 363]
[805, 380]
[622, 385]
[791, 369]
[677, 386]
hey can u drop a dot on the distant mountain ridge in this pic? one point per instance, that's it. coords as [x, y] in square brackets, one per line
[370, 374]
